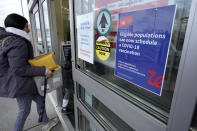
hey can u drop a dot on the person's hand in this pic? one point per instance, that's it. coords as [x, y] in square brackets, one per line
[49, 73]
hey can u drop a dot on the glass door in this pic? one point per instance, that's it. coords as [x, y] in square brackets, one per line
[108, 33]
[84, 123]
[105, 116]
[157, 105]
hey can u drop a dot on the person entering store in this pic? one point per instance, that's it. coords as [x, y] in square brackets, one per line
[16, 75]
[68, 81]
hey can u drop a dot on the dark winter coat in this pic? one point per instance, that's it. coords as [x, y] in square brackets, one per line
[16, 75]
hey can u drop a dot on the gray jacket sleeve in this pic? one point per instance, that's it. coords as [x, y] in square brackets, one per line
[18, 61]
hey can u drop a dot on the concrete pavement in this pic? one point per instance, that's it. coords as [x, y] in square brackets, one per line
[8, 113]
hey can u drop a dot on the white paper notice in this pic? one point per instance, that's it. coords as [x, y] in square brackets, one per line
[85, 37]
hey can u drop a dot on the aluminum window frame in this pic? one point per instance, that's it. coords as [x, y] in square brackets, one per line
[36, 5]
[42, 11]
[42, 26]
[53, 28]
[185, 95]
[35, 9]
[88, 115]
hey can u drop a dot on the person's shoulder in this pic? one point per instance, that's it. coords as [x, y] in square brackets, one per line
[6, 42]
[20, 41]
[3, 33]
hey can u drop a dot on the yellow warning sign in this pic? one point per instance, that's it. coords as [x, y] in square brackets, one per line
[103, 48]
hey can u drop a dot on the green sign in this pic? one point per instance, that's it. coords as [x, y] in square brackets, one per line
[104, 22]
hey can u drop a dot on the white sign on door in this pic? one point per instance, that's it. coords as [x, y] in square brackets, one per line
[85, 37]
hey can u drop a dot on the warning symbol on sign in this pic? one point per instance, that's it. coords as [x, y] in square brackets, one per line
[103, 48]
[104, 22]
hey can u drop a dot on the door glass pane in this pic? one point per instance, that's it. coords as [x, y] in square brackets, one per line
[103, 70]
[110, 119]
[39, 44]
[46, 25]
[84, 123]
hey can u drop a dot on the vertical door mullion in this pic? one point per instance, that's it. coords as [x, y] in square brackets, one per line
[75, 106]
[185, 95]
[73, 59]
[53, 30]
[72, 33]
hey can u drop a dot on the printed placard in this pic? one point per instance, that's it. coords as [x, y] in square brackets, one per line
[85, 37]
[142, 46]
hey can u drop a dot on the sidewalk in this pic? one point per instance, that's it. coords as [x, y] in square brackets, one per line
[8, 113]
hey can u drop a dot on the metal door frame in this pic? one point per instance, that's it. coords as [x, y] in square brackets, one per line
[87, 114]
[184, 97]
[33, 7]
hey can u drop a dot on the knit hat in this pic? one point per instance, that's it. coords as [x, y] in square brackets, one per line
[16, 21]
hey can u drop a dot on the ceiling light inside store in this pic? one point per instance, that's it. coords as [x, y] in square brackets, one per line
[95, 9]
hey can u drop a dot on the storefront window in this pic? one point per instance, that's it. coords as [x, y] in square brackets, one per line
[103, 68]
[47, 27]
[108, 118]
[39, 45]
[65, 20]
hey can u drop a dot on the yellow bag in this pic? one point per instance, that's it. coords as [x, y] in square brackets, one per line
[46, 60]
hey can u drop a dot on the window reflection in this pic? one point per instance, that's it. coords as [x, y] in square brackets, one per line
[46, 25]
[39, 44]
[84, 123]
[110, 119]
